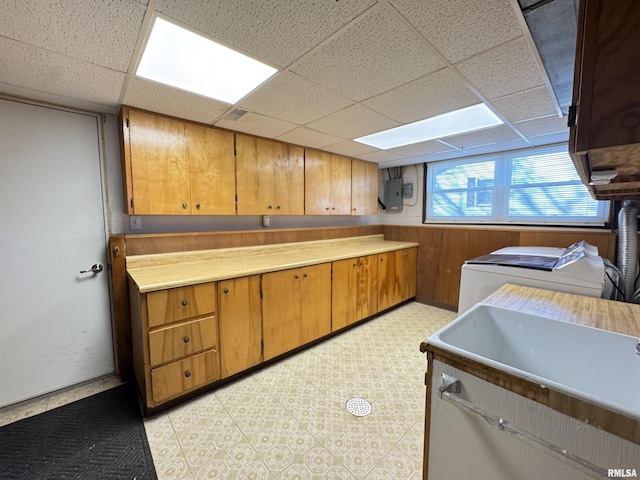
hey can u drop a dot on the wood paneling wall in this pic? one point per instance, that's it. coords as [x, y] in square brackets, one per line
[443, 251]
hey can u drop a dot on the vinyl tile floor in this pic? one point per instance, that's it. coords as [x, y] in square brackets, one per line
[290, 421]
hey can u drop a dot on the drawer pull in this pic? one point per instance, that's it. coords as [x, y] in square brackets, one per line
[186, 339]
[187, 374]
[184, 303]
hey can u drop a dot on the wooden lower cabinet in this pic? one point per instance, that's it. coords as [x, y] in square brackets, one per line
[240, 319]
[188, 337]
[175, 341]
[296, 308]
[354, 292]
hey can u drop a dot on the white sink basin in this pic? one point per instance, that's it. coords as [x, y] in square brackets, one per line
[595, 365]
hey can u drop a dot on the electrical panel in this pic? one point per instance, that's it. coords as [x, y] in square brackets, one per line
[393, 195]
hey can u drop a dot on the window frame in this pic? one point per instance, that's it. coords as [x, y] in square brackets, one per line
[492, 220]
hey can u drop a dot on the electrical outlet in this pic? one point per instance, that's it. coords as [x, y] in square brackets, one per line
[265, 220]
[135, 222]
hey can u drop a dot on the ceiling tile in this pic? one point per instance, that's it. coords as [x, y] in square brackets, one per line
[558, 137]
[350, 148]
[274, 32]
[507, 69]
[292, 98]
[61, 100]
[309, 138]
[542, 126]
[460, 29]
[373, 54]
[496, 147]
[485, 136]
[257, 125]
[422, 148]
[380, 156]
[352, 122]
[103, 33]
[160, 98]
[30, 67]
[439, 92]
[527, 105]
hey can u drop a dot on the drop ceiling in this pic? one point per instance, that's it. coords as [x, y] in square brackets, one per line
[346, 68]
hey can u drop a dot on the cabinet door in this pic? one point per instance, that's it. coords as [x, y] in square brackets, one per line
[343, 293]
[288, 178]
[409, 272]
[211, 170]
[315, 302]
[159, 165]
[366, 287]
[317, 182]
[240, 324]
[340, 185]
[254, 175]
[389, 279]
[280, 312]
[364, 187]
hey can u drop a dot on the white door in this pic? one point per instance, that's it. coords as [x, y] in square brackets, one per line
[55, 322]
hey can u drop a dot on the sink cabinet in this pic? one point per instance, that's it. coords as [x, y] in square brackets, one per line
[459, 444]
[606, 96]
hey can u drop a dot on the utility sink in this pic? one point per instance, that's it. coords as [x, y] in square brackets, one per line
[597, 366]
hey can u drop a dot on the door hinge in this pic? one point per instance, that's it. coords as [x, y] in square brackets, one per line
[572, 116]
[131, 202]
[127, 122]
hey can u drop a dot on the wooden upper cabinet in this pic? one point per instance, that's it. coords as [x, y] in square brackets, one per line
[156, 165]
[270, 177]
[364, 187]
[606, 96]
[211, 170]
[174, 167]
[327, 183]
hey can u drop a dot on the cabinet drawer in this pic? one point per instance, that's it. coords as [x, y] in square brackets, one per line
[175, 304]
[177, 378]
[171, 343]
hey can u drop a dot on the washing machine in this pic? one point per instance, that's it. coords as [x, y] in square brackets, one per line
[577, 269]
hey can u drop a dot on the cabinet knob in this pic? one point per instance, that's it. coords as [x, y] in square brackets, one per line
[278, 207]
[198, 206]
[184, 303]
[305, 275]
[406, 254]
[354, 209]
[185, 205]
[269, 207]
[296, 276]
[226, 290]
[187, 374]
[354, 264]
[333, 208]
[327, 208]
[186, 339]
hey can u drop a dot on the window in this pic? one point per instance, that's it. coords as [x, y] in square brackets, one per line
[536, 186]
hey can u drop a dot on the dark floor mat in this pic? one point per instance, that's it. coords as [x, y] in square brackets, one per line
[101, 437]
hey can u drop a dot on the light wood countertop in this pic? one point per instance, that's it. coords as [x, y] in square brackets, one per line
[162, 271]
[609, 315]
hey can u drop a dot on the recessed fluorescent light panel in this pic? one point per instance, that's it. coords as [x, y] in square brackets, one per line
[180, 58]
[464, 120]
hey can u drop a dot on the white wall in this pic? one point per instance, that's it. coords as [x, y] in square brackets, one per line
[118, 221]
